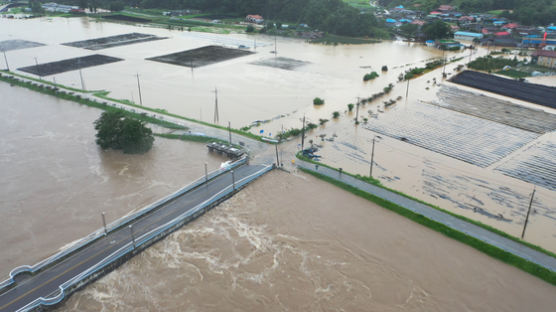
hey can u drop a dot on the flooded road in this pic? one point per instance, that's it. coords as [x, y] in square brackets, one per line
[295, 243]
[56, 181]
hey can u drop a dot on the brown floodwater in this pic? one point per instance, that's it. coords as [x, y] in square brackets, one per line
[290, 242]
[246, 92]
[56, 181]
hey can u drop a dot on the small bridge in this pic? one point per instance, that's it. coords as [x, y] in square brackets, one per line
[52, 280]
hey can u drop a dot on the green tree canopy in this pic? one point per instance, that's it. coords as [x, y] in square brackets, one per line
[117, 131]
[436, 30]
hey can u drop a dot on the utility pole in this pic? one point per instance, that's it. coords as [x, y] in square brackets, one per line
[132, 236]
[444, 58]
[275, 46]
[6, 60]
[139, 87]
[82, 81]
[216, 117]
[277, 159]
[372, 158]
[357, 111]
[104, 223]
[230, 132]
[37, 67]
[303, 134]
[528, 211]
[406, 92]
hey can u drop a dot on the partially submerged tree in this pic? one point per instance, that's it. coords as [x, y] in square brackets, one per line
[117, 131]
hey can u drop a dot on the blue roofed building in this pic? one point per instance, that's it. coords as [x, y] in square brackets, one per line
[467, 36]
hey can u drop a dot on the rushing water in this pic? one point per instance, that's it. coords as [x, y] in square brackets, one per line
[293, 243]
[56, 181]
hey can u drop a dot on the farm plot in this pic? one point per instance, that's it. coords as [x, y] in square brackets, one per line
[536, 164]
[505, 112]
[201, 56]
[281, 62]
[113, 41]
[9, 45]
[473, 140]
[52, 68]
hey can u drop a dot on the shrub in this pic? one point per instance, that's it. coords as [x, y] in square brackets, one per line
[350, 107]
[370, 76]
[335, 114]
[384, 68]
[250, 29]
[318, 101]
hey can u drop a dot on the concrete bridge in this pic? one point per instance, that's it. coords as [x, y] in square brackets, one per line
[50, 281]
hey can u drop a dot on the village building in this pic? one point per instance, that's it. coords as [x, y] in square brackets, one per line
[467, 36]
[546, 58]
[257, 19]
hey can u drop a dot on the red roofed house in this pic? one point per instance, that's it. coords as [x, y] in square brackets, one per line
[255, 19]
[511, 26]
[435, 13]
[502, 34]
[418, 22]
[445, 7]
[485, 31]
[545, 58]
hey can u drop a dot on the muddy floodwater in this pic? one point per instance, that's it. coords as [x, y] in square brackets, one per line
[294, 243]
[56, 181]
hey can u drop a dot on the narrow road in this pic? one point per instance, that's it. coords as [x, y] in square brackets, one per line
[46, 283]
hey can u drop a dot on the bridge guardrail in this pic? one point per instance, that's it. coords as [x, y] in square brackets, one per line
[115, 225]
[143, 240]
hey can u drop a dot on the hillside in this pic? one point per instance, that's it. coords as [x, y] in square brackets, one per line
[530, 12]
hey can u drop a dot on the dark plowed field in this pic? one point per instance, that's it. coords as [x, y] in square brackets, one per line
[201, 56]
[125, 18]
[52, 68]
[529, 92]
[9, 45]
[112, 41]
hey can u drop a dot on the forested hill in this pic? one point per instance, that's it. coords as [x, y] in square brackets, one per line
[529, 12]
[332, 16]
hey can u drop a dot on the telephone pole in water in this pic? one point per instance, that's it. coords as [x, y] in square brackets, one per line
[528, 212]
[216, 117]
[303, 134]
[139, 87]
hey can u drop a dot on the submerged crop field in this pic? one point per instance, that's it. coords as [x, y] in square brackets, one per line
[281, 62]
[52, 68]
[474, 140]
[201, 56]
[16, 44]
[504, 112]
[536, 164]
[113, 41]
[534, 93]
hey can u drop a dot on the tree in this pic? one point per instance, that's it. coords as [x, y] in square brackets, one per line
[436, 30]
[117, 131]
[36, 7]
[117, 6]
[409, 30]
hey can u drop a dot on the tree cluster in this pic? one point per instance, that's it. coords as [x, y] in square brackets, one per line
[333, 16]
[117, 131]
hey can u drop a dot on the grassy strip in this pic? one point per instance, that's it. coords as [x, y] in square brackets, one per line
[77, 98]
[336, 39]
[104, 95]
[495, 252]
[45, 82]
[477, 223]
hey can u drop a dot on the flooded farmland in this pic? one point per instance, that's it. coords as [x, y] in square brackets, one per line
[294, 243]
[270, 251]
[56, 181]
